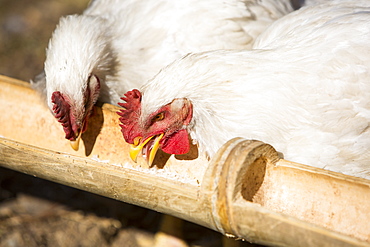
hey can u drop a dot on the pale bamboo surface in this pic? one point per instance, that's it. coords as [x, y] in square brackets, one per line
[244, 191]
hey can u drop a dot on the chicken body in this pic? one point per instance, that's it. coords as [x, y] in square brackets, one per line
[304, 89]
[117, 45]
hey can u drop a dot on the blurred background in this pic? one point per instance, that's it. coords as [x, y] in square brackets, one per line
[35, 212]
[25, 28]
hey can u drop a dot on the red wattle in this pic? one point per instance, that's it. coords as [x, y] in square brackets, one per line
[178, 143]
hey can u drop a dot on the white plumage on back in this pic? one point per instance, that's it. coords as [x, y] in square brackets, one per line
[118, 45]
[305, 90]
[132, 40]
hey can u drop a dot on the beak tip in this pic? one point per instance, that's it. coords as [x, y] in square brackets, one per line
[133, 157]
[75, 144]
[134, 152]
[154, 150]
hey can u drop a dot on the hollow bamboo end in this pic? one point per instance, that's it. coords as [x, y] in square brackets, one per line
[255, 194]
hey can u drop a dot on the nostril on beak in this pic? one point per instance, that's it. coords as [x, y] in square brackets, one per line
[137, 140]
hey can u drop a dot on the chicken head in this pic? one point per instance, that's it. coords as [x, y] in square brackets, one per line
[73, 115]
[165, 128]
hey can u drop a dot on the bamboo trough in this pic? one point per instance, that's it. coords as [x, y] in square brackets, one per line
[245, 191]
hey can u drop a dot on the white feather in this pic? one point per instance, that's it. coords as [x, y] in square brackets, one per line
[307, 92]
[125, 43]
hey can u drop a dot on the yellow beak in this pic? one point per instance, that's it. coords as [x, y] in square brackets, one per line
[75, 144]
[136, 148]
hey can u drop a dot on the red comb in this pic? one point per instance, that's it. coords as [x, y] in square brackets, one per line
[61, 109]
[130, 115]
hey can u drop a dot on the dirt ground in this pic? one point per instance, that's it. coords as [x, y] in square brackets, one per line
[35, 212]
[25, 28]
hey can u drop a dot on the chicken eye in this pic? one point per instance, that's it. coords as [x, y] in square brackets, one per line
[158, 117]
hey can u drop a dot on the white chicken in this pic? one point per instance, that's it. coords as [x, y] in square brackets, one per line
[117, 45]
[305, 90]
